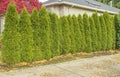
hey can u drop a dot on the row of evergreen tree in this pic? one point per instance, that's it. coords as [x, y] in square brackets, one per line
[115, 3]
[43, 35]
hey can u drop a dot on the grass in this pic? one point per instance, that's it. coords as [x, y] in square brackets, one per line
[57, 59]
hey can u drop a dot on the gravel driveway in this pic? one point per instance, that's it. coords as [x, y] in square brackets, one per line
[104, 66]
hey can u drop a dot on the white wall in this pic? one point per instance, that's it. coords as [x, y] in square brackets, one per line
[70, 10]
[2, 22]
[56, 9]
[64, 10]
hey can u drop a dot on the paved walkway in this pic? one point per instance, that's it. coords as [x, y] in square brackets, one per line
[104, 66]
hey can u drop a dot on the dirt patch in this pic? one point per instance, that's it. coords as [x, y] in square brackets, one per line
[57, 59]
[99, 66]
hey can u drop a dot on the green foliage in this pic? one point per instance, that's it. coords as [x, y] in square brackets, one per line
[43, 35]
[77, 34]
[72, 34]
[115, 3]
[104, 33]
[98, 27]
[103, 1]
[55, 38]
[60, 34]
[65, 35]
[109, 30]
[93, 33]
[117, 28]
[26, 37]
[37, 55]
[113, 31]
[82, 30]
[86, 24]
[44, 23]
[11, 40]
[118, 5]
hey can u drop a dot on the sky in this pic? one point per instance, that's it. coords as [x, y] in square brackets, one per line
[42, 0]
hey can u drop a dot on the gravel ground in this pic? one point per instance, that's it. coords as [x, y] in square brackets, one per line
[104, 66]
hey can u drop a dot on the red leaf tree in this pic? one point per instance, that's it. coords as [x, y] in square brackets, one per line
[20, 4]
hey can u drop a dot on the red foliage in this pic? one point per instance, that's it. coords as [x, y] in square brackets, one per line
[20, 4]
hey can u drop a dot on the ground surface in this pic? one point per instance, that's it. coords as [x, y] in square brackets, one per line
[104, 66]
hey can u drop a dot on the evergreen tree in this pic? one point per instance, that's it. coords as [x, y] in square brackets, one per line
[44, 33]
[104, 34]
[55, 39]
[82, 30]
[77, 34]
[104, 1]
[109, 30]
[93, 33]
[113, 32]
[87, 33]
[26, 36]
[115, 3]
[72, 34]
[65, 35]
[60, 34]
[98, 27]
[11, 40]
[117, 28]
[37, 55]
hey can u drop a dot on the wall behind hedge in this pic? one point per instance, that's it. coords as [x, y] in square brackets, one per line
[42, 35]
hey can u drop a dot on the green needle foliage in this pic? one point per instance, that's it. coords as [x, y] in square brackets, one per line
[82, 30]
[113, 32]
[44, 23]
[104, 33]
[72, 34]
[93, 33]
[55, 38]
[117, 28]
[98, 27]
[86, 24]
[26, 36]
[77, 34]
[11, 40]
[109, 30]
[42, 35]
[65, 35]
[37, 55]
[60, 34]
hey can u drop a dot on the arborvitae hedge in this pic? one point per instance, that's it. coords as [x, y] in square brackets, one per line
[11, 40]
[93, 33]
[109, 30]
[26, 36]
[98, 27]
[82, 30]
[72, 34]
[104, 33]
[117, 28]
[77, 34]
[88, 46]
[44, 33]
[113, 32]
[55, 38]
[60, 34]
[65, 35]
[37, 55]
